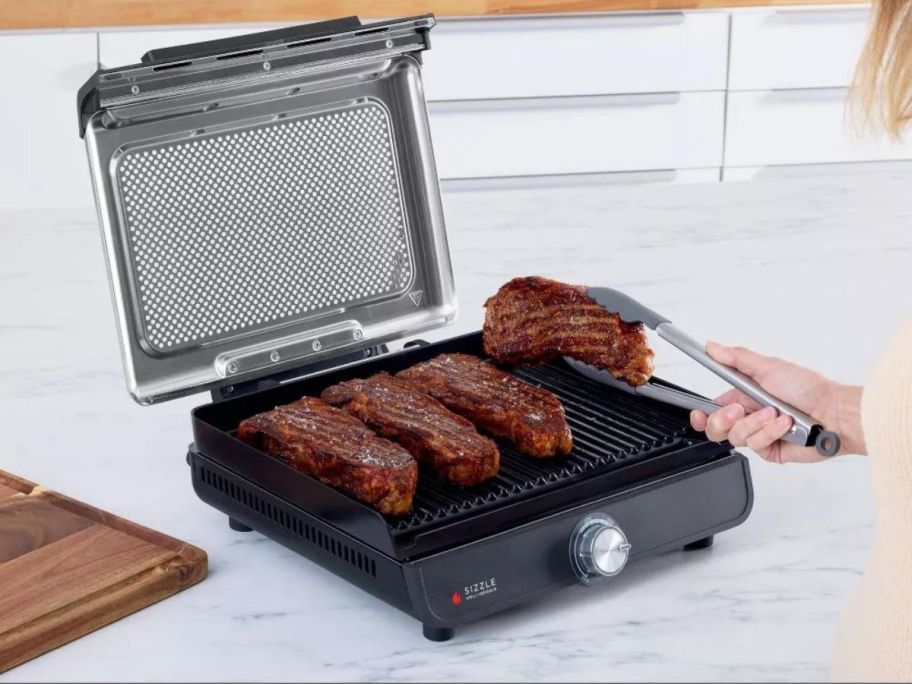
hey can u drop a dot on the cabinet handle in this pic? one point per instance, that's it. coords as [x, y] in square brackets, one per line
[811, 16]
[807, 95]
[563, 102]
[579, 21]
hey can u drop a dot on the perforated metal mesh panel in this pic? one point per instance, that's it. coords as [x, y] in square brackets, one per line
[235, 232]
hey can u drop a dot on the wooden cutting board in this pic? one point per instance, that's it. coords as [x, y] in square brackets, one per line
[67, 569]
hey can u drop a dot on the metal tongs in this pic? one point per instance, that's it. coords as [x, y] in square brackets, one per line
[804, 431]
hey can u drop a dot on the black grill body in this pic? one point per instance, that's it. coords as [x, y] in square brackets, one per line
[464, 553]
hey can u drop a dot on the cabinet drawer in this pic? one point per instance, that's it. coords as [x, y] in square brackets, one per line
[588, 55]
[796, 48]
[577, 135]
[799, 127]
[43, 160]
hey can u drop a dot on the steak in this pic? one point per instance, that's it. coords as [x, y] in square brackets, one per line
[496, 402]
[337, 449]
[533, 320]
[434, 435]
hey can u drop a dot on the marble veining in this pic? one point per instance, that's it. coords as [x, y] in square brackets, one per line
[813, 269]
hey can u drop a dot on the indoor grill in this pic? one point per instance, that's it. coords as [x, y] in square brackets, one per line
[272, 224]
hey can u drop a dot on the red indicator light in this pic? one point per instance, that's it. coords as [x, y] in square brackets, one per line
[456, 598]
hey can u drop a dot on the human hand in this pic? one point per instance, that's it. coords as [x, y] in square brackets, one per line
[743, 422]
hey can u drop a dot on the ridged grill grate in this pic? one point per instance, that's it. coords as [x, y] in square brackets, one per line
[239, 231]
[610, 430]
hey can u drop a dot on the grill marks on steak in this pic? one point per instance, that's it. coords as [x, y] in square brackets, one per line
[337, 449]
[448, 443]
[496, 402]
[533, 320]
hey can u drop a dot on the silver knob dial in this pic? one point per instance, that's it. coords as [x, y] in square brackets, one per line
[599, 548]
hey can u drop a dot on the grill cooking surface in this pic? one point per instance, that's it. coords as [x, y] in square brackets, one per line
[619, 441]
[610, 430]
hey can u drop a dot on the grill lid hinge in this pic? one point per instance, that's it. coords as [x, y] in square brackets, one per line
[292, 374]
[277, 352]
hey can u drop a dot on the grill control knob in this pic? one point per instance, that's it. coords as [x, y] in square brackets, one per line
[598, 548]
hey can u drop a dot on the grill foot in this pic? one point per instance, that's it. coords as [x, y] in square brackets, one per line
[704, 543]
[437, 633]
[238, 526]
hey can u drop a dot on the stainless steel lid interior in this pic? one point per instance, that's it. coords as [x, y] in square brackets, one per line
[267, 201]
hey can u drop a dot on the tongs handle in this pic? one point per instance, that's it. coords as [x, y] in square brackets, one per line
[804, 431]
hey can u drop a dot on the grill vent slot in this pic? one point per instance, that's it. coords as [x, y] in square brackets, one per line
[288, 521]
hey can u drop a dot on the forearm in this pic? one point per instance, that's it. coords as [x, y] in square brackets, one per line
[844, 415]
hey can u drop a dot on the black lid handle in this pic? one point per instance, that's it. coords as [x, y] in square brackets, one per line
[250, 41]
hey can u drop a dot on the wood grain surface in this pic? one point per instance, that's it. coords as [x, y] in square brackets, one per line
[67, 568]
[44, 14]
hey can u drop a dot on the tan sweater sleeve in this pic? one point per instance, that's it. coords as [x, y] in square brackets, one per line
[874, 641]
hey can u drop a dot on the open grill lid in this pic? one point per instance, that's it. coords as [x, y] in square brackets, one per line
[267, 201]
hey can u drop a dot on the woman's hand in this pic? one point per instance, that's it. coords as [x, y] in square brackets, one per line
[743, 422]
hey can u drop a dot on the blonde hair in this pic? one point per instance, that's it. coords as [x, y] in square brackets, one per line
[882, 91]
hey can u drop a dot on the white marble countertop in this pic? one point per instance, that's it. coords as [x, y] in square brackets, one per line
[817, 270]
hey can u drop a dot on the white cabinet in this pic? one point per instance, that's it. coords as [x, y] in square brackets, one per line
[810, 47]
[610, 97]
[799, 127]
[577, 135]
[43, 160]
[584, 55]
[533, 97]
[789, 72]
